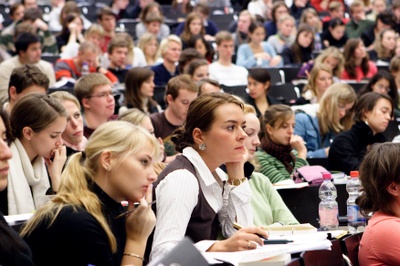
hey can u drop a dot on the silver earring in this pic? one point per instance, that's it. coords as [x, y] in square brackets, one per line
[202, 146]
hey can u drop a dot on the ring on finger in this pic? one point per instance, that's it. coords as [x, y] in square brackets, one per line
[248, 244]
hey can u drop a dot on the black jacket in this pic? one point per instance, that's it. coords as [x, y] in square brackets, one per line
[348, 148]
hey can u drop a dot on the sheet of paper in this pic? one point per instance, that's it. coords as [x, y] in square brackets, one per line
[17, 219]
[301, 242]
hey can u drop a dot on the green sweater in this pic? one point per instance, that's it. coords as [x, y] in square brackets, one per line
[274, 169]
[268, 206]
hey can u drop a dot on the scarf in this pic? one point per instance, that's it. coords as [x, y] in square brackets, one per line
[288, 40]
[27, 182]
[281, 152]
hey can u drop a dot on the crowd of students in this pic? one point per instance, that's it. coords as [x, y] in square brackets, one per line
[220, 154]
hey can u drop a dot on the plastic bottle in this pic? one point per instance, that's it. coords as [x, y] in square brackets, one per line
[85, 69]
[328, 207]
[356, 221]
[317, 43]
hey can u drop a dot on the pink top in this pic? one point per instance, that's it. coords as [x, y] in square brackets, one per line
[380, 242]
[359, 74]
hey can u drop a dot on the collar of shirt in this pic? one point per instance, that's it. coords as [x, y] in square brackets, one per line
[201, 167]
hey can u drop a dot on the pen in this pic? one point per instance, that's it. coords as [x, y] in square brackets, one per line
[238, 227]
[276, 241]
[136, 204]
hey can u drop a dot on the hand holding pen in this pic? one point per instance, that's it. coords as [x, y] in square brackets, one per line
[244, 239]
[140, 220]
[265, 239]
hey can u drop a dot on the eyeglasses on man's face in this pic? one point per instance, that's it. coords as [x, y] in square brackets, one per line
[102, 94]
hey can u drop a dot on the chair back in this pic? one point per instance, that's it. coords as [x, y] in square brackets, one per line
[159, 94]
[333, 257]
[286, 93]
[351, 246]
[240, 90]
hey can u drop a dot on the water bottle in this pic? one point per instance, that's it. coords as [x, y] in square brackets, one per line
[328, 207]
[85, 69]
[356, 221]
[317, 42]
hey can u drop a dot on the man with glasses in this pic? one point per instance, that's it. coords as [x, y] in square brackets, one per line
[96, 97]
[87, 55]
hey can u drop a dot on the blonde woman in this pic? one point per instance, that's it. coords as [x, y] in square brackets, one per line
[332, 57]
[319, 80]
[310, 16]
[81, 220]
[335, 115]
[286, 34]
[73, 134]
[139, 118]
[149, 45]
[384, 48]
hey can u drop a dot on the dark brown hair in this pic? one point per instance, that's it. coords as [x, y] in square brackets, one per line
[133, 81]
[201, 115]
[380, 167]
[37, 111]
[367, 103]
[349, 64]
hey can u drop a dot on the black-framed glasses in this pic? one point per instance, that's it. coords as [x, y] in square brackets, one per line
[102, 94]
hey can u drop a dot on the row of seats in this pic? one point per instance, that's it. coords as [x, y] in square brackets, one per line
[343, 252]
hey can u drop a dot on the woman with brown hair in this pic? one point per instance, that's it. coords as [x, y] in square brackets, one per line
[193, 26]
[213, 135]
[372, 115]
[37, 122]
[139, 90]
[301, 50]
[282, 151]
[357, 65]
[380, 179]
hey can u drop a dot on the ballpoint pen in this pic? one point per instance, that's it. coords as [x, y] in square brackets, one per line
[266, 240]
[136, 204]
[238, 227]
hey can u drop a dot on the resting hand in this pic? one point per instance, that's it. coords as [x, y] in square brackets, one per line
[263, 56]
[297, 143]
[243, 239]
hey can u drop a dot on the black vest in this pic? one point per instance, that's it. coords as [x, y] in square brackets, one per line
[203, 223]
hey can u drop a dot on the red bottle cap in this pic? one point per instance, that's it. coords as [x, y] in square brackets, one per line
[354, 174]
[326, 176]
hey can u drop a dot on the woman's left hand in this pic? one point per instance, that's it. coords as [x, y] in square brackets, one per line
[235, 169]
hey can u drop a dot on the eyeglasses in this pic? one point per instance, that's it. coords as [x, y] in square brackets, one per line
[102, 94]
[381, 87]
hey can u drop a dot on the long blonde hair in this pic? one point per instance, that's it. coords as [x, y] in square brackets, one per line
[313, 77]
[118, 137]
[328, 118]
[335, 53]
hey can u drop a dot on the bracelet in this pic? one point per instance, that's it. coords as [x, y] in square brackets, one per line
[134, 255]
[237, 182]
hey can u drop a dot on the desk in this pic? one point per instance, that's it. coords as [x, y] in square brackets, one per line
[303, 202]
